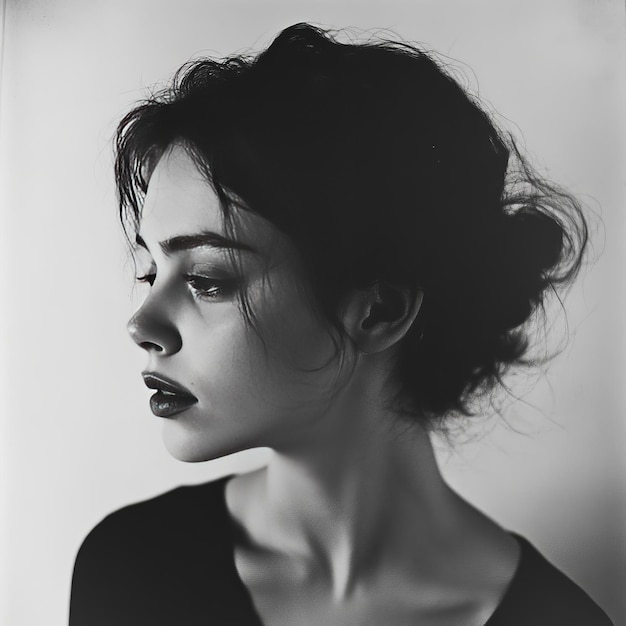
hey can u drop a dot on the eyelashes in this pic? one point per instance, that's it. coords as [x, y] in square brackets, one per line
[206, 288]
[146, 278]
[202, 287]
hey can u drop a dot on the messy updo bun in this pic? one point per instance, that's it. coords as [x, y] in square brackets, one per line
[381, 169]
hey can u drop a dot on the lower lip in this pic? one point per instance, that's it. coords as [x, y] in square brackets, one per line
[166, 405]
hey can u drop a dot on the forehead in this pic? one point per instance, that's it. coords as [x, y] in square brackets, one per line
[180, 201]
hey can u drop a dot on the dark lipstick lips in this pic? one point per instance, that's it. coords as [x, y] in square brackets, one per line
[170, 397]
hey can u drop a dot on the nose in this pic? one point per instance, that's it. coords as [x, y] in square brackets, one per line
[153, 332]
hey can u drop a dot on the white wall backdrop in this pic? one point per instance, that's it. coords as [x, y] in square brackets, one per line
[78, 439]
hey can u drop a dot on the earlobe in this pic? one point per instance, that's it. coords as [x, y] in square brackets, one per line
[379, 317]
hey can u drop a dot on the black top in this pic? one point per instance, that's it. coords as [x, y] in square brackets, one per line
[170, 561]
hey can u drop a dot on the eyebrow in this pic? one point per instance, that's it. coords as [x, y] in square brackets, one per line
[203, 239]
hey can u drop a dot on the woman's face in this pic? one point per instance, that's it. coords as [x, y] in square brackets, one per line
[220, 387]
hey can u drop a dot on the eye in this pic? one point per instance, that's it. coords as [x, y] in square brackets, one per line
[146, 278]
[207, 288]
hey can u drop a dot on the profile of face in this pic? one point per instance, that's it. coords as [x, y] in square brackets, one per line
[222, 385]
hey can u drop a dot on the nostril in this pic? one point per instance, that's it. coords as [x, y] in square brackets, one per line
[148, 345]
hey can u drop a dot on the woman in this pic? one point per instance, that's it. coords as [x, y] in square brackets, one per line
[342, 254]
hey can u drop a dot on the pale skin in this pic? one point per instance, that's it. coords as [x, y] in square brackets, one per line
[351, 522]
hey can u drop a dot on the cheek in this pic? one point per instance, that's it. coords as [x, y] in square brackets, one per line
[253, 392]
[226, 359]
[283, 373]
[302, 371]
[259, 385]
[296, 339]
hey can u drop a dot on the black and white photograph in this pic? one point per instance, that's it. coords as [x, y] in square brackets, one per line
[313, 313]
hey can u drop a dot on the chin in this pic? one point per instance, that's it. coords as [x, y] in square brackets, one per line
[193, 447]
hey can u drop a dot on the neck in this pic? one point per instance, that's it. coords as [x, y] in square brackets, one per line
[350, 499]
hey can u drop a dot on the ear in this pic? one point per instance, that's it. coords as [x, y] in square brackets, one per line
[378, 317]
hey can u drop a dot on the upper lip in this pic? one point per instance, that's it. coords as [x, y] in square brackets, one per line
[161, 383]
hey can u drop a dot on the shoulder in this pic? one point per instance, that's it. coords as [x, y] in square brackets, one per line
[147, 551]
[161, 519]
[164, 509]
[541, 594]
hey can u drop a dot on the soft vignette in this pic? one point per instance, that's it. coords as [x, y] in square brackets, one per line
[78, 438]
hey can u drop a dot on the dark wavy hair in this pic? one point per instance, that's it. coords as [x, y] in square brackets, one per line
[382, 170]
